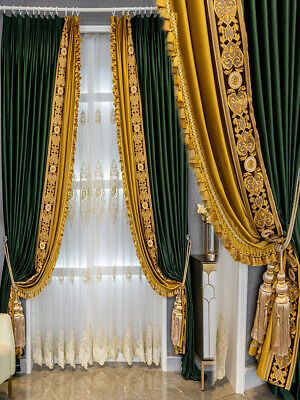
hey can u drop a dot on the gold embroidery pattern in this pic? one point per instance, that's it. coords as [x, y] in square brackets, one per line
[114, 191]
[72, 201]
[143, 184]
[32, 288]
[99, 191]
[85, 192]
[234, 76]
[236, 102]
[238, 248]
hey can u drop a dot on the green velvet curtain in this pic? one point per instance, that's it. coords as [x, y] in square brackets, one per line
[28, 68]
[167, 161]
[273, 29]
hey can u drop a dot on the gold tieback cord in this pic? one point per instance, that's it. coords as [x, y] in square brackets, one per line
[281, 340]
[178, 327]
[15, 307]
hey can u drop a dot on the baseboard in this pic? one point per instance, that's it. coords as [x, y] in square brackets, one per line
[174, 363]
[251, 379]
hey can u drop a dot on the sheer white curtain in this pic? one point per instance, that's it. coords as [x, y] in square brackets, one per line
[98, 305]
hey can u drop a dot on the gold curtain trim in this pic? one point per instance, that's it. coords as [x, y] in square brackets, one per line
[238, 248]
[130, 133]
[60, 162]
[232, 63]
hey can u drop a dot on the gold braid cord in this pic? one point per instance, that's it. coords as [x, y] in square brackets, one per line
[147, 244]
[45, 262]
[238, 248]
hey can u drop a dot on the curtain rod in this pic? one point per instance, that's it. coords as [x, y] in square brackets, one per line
[76, 10]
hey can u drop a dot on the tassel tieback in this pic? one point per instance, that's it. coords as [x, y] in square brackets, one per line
[178, 325]
[281, 339]
[264, 295]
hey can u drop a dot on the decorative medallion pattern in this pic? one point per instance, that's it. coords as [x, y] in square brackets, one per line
[236, 95]
[53, 161]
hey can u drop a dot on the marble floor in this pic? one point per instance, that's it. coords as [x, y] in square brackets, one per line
[119, 382]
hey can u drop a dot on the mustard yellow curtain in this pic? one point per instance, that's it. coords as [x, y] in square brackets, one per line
[132, 151]
[244, 222]
[60, 160]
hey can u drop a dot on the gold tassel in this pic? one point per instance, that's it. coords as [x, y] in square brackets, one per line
[15, 308]
[281, 340]
[261, 317]
[178, 327]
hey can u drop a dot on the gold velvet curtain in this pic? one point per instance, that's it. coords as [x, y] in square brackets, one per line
[60, 160]
[208, 46]
[132, 151]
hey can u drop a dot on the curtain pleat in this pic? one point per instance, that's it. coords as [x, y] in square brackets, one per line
[273, 30]
[167, 161]
[29, 58]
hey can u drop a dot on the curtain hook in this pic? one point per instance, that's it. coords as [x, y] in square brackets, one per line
[3, 9]
[77, 11]
[39, 10]
[66, 11]
[56, 11]
[73, 11]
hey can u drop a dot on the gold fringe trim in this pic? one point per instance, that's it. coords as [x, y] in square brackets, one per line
[37, 282]
[157, 286]
[238, 248]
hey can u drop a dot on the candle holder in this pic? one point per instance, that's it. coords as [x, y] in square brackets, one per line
[211, 243]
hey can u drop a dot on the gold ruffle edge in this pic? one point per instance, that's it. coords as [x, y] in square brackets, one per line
[238, 248]
[32, 287]
[158, 287]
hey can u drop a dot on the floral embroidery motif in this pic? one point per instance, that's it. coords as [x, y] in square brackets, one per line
[85, 192]
[72, 201]
[232, 63]
[114, 191]
[98, 116]
[99, 191]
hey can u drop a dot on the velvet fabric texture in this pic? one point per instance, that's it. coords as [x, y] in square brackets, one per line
[273, 31]
[167, 161]
[28, 67]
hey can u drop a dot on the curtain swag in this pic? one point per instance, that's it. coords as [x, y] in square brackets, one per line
[222, 136]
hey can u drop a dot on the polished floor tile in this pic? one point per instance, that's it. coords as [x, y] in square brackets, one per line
[118, 382]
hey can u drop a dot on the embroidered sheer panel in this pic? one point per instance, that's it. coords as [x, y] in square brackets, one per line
[98, 305]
